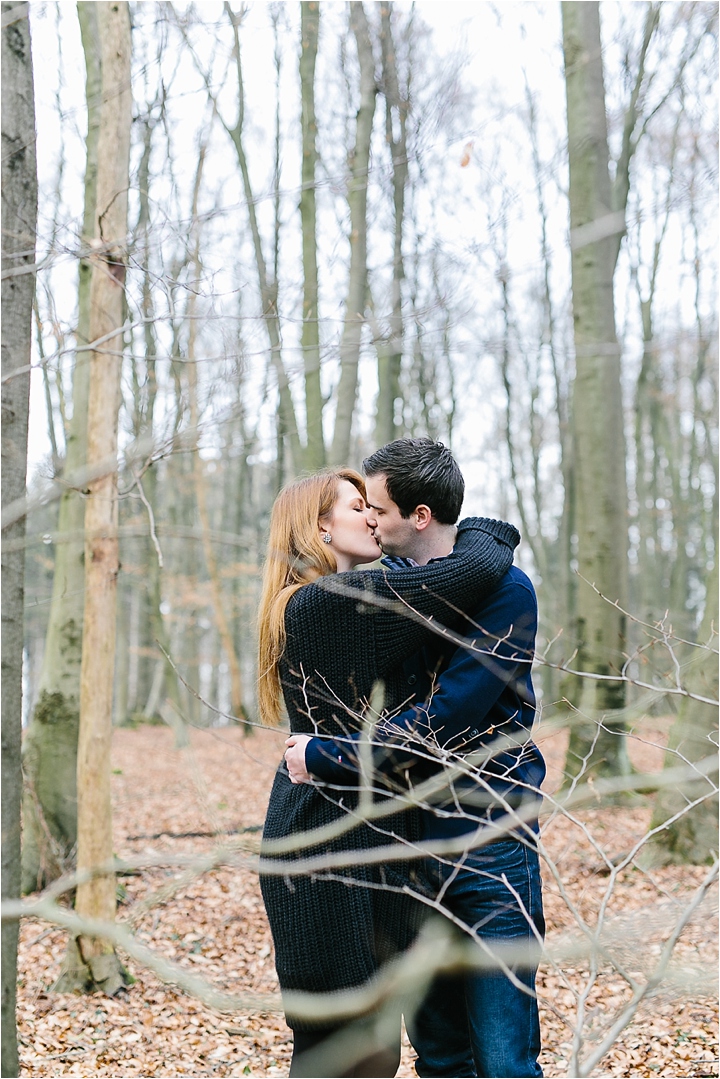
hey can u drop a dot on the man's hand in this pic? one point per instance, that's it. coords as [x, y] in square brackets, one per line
[295, 758]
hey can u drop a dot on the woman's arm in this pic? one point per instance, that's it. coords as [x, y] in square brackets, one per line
[389, 601]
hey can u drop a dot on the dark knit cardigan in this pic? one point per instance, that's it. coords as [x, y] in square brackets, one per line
[334, 929]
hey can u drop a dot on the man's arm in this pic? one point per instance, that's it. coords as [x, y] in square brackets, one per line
[455, 717]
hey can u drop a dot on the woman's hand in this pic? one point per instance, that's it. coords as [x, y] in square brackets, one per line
[295, 758]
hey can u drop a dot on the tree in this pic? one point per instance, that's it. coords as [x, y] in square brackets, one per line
[692, 837]
[359, 166]
[223, 626]
[50, 747]
[672, 457]
[92, 962]
[390, 353]
[267, 284]
[309, 32]
[165, 679]
[597, 224]
[19, 223]
[660, 137]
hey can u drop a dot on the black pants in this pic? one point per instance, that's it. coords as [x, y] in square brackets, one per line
[313, 1058]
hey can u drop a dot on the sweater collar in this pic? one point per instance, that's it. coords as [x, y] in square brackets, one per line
[502, 531]
[506, 533]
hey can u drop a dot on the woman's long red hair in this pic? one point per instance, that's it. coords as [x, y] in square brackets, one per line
[296, 556]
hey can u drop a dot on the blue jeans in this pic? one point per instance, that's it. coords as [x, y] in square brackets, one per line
[482, 1024]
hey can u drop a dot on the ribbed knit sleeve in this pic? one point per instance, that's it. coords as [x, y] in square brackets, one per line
[347, 630]
[388, 601]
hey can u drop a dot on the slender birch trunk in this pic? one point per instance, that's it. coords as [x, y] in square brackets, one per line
[19, 222]
[315, 444]
[359, 162]
[50, 746]
[95, 899]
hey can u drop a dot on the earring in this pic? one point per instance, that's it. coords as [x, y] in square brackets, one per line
[327, 538]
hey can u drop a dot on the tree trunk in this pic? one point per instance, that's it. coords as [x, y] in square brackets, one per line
[315, 445]
[158, 626]
[96, 896]
[19, 220]
[693, 837]
[221, 621]
[359, 161]
[158, 630]
[50, 748]
[122, 662]
[268, 289]
[223, 627]
[556, 590]
[390, 357]
[599, 442]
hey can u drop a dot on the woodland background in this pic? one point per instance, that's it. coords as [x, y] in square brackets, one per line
[271, 237]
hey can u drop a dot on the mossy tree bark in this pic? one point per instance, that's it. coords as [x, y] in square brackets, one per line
[91, 962]
[597, 221]
[19, 222]
[50, 747]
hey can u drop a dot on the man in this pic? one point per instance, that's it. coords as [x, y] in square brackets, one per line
[480, 709]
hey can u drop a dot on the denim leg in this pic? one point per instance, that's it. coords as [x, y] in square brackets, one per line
[502, 1018]
[439, 1032]
[505, 1030]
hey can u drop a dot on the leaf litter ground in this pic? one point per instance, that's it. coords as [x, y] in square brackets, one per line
[181, 801]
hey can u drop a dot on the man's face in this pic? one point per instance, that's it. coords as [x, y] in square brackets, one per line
[396, 534]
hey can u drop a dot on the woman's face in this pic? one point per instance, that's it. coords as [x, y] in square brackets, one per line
[353, 542]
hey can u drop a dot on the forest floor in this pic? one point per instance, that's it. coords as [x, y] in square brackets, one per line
[179, 801]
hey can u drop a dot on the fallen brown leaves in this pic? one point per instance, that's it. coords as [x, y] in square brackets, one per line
[215, 926]
[674, 1032]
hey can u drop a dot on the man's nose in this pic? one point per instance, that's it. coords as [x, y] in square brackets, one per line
[370, 517]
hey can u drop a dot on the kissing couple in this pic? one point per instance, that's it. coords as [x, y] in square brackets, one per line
[445, 629]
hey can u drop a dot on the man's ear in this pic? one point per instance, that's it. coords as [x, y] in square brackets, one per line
[423, 517]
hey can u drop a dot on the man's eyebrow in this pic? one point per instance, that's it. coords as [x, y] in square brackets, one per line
[372, 506]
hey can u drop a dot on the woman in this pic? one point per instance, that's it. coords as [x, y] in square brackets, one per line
[327, 635]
